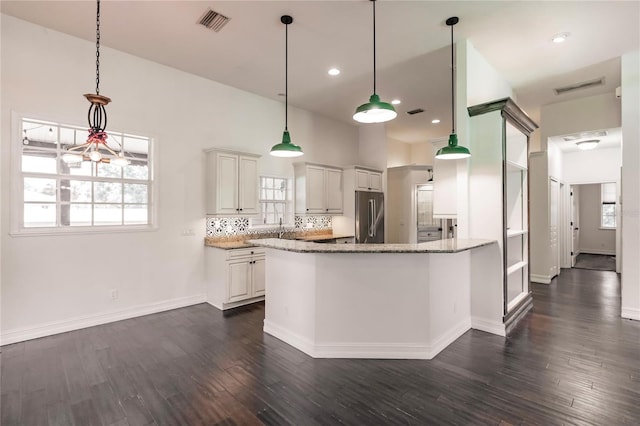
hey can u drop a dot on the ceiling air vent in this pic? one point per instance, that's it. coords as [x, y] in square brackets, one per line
[578, 86]
[213, 20]
[415, 111]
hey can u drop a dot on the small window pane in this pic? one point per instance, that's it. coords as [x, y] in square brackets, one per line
[107, 192]
[80, 215]
[109, 170]
[39, 215]
[136, 171]
[107, 214]
[39, 161]
[135, 214]
[37, 189]
[84, 168]
[135, 146]
[135, 193]
[80, 191]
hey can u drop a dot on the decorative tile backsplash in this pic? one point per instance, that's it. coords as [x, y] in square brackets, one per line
[229, 226]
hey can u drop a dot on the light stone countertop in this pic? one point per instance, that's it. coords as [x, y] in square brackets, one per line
[440, 246]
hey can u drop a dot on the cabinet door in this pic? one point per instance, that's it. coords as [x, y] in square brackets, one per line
[227, 184]
[362, 180]
[315, 190]
[258, 280]
[248, 186]
[334, 191]
[238, 280]
[375, 181]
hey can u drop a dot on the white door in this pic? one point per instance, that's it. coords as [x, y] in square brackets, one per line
[553, 227]
[334, 191]
[227, 184]
[238, 281]
[575, 223]
[248, 186]
[362, 180]
[258, 280]
[375, 181]
[315, 190]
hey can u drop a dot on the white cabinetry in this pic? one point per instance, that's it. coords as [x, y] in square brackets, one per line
[499, 197]
[318, 189]
[232, 183]
[368, 180]
[235, 277]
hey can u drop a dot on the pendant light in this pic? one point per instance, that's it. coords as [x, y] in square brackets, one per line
[97, 117]
[286, 148]
[374, 111]
[452, 151]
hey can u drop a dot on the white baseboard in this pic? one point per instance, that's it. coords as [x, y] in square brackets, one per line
[487, 326]
[47, 329]
[631, 313]
[232, 305]
[596, 251]
[367, 350]
[542, 279]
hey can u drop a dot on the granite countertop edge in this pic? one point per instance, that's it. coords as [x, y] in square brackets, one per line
[440, 246]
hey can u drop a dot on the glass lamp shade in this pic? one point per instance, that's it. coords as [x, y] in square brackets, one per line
[286, 148]
[120, 160]
[95, 156]
[452, 151]
[584, 145]
[375, 111]
[70, 158]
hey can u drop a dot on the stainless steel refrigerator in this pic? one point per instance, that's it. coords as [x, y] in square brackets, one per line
[369, 217]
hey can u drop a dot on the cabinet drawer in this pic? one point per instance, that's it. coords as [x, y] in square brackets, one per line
[248, 252]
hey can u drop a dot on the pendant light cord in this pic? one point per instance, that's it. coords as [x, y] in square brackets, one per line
[98, 49]
[286, 76]
[374, 46]
[453, 93]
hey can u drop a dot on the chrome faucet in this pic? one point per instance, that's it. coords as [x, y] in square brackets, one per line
[280, 230]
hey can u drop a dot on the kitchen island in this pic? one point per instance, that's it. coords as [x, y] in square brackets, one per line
[402, 301]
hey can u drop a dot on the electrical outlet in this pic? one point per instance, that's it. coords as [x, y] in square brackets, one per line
[114, 293]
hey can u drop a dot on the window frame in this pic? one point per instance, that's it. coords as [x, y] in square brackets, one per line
[285, 202]
[16, 178]
[608, 203]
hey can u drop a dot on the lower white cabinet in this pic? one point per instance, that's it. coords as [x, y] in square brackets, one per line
[235, 277]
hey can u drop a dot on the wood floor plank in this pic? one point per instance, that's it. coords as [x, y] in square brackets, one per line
[571, 361]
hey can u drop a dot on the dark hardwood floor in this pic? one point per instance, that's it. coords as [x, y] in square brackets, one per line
[571, 361]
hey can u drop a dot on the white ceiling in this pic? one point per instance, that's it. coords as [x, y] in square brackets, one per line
[413, 55]
[613, 139]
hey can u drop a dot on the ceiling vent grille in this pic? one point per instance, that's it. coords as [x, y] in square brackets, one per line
[579, 86]
[213, 20]
[415, 111]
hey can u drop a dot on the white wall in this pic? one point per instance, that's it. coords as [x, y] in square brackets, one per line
[592, 238]
[49, 283]
[593, 166]
[422, 153]
[630, 187]
[399, 153]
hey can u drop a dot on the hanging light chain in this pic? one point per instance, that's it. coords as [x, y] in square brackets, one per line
[286, 75]
[98, 49]
[453, 93]
[374, 46]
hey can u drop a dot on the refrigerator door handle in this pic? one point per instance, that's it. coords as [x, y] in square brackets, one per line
[372, 210]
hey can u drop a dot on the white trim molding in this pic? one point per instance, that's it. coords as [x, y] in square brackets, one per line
[365, 350]
[487, 326]
[27, 333]
[630, 313]
[542, 279]
[596, 251]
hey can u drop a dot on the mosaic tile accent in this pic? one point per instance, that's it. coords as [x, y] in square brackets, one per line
[230, 226]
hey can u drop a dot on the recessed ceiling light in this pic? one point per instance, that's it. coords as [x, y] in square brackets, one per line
[334, 71]
[395, 101]
[590, 144]
[436, 121]
[560, 38]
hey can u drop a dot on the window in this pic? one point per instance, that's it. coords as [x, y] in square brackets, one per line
[56, 195]
[273, 200]
[608, 205]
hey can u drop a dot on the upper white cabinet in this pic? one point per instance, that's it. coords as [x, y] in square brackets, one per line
[368, 180]
[232, 183]
[445, 184]
[318, 189]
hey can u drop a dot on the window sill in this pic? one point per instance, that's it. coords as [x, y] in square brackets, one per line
[46, 232]
[607, 229]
